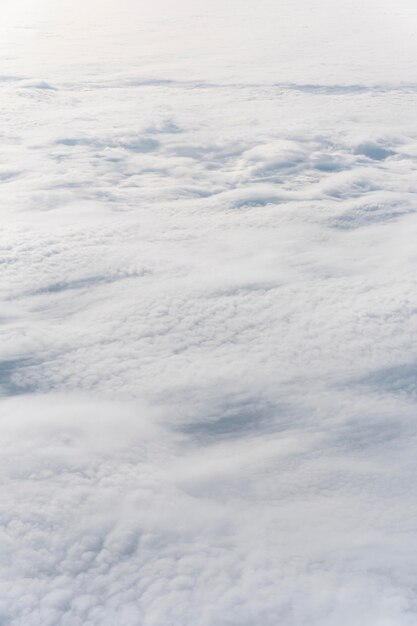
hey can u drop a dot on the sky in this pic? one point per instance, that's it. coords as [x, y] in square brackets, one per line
[208, 308]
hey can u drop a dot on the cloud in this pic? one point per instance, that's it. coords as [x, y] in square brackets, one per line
[208, 304]
[110, 513]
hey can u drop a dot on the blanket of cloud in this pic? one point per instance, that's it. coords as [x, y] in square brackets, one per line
[208, 366]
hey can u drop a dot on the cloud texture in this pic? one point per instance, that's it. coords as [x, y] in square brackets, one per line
[208, 314]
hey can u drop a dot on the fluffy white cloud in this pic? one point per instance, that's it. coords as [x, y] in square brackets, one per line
[208, 312]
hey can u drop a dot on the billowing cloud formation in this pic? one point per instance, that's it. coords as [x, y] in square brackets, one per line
[208, 311]
[113, 518]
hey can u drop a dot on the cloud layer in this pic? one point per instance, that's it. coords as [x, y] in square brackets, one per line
[208, 313]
